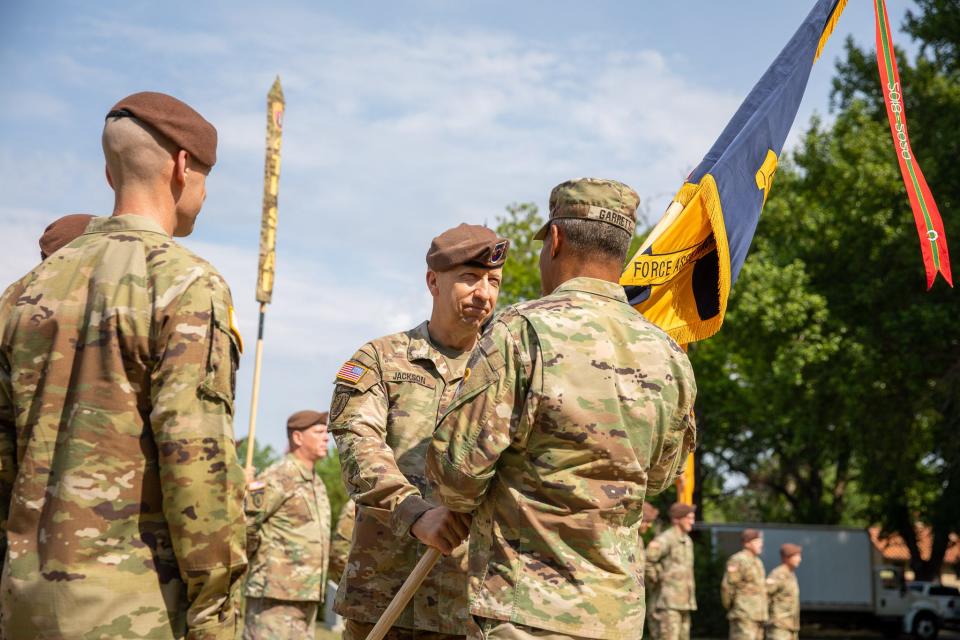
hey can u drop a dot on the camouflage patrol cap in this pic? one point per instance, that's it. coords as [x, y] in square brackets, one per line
[593, 199]
[788, 549]
[750, 534]
[175, 120]
[305, 419]
[679, 510]
[62, 232]
[467, 244]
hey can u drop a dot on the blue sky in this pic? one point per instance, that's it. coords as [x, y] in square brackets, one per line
[403, 119]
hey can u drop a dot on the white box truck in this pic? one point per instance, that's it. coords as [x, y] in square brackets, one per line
[843, 577]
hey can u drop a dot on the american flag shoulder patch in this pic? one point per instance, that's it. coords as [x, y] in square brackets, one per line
[351, 372]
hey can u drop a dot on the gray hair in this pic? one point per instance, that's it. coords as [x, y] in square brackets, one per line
[594, 239]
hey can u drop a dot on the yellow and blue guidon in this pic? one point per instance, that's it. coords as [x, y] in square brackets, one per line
[680, 279]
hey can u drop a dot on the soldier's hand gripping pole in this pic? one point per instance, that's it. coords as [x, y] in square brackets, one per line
[400, 601]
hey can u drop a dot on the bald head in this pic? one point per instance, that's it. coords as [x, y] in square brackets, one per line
[136, 154]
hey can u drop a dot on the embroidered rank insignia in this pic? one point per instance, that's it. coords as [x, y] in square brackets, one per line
[499, 252]
[234, 329]
[351, 372]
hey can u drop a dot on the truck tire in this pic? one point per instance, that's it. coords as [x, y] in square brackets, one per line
[926, 626]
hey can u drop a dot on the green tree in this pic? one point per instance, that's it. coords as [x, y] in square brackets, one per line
[833, 388]
[263, 456]
[521, 277]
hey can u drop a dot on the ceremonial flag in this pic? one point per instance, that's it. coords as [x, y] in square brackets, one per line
[681, 277]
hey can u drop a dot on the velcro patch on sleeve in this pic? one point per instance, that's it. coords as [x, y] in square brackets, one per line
[351, 372]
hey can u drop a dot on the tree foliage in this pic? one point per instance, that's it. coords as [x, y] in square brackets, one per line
[521, 278]
[833, 387]
[263, 456]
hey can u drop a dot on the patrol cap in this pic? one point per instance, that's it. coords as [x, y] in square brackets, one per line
[62, 232]
[750, 534]
[175, 120]
[679, 510]
[305, 419]
[467, 244]
[787, 549]
[650, 512]
[593, 199]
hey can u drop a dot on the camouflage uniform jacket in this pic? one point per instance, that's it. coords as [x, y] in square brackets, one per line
[342, 539]
[783, 591]
[288, 533]
[122, 496]
[382, 424]
[669, 571]
[574, 408]
[743, 591]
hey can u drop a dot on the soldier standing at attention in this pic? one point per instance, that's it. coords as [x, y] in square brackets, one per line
[783, 591]
[341, 541]
[743, 591]
[386, 404]
[669, 573]
[120, 493]
[288, 536]
[575, 407]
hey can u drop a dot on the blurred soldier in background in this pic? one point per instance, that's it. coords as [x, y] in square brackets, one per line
[669, 574]
[387, 400]
[62, 232]
[120, 491]
[288, 536]
[743, 590]
[341, 541]
[783, 592]
[574, 409]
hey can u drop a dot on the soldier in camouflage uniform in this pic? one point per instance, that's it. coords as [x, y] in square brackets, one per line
[574, 409]
[650, 514]
[342, 539]
[288, 536]
[121, 498]
[783, 592]
[387, 400]
[743, 591]
[62, 232]
[669, 574]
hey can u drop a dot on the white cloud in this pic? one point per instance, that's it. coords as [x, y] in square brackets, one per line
[390, 137]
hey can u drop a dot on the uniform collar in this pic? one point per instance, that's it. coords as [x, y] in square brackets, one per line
[421, 348]
[594, 286]
[124, 222]
[305, 472]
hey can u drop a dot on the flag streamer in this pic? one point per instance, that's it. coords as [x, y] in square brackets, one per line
[933, 240]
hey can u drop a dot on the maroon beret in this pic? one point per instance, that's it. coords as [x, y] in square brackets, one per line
[750, 534]
[467, 244]
[787, 549]
[305, 419]
[679, 510]
[175, 120]
[62, 232]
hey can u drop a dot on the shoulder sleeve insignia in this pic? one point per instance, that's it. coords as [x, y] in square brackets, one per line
[256, 485]
[235, 329]
[351, 372]
[732, 568]
[340, 399]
